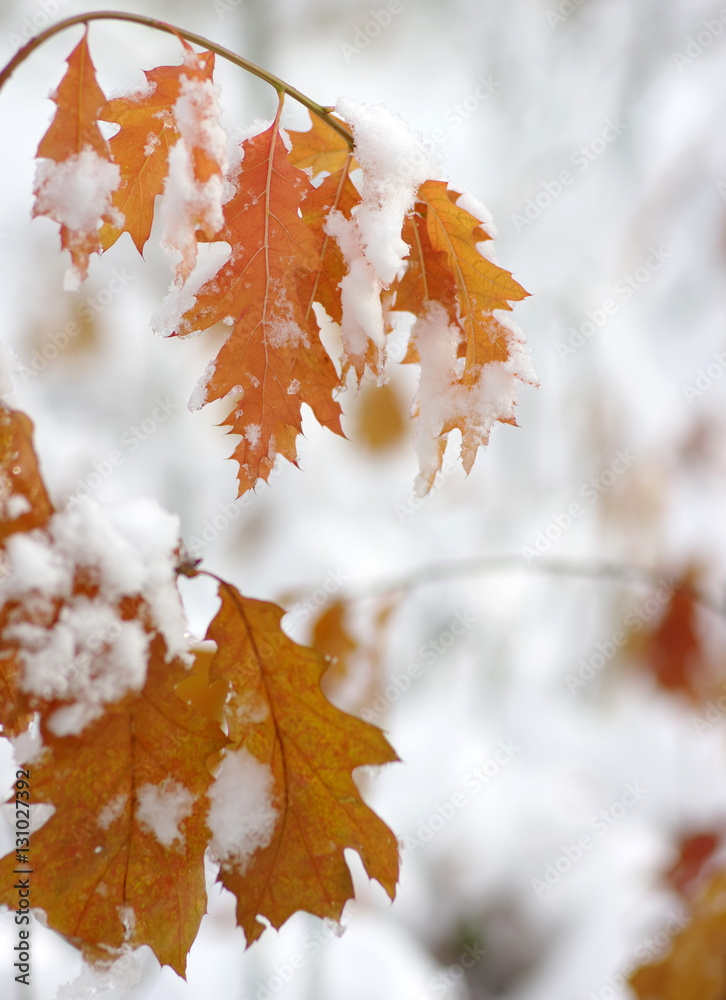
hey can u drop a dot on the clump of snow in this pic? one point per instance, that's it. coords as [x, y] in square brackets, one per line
[127, 915]
[395, 163]
[192, 202]
[12, 505]
[360, 290]
[77, 194]
[94, 980]
[242, 816]
[199, 393]
[474, 207]
[436, 342]
[28, 746]
[442, 398]
[17, 505]
[167, 318]
[258, 126]
[470, 204]
[152, 143]
[79, 648]
[252, 434]
[282, 328]
[161, 808]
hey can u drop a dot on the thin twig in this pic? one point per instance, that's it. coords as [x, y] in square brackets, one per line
[457, 568]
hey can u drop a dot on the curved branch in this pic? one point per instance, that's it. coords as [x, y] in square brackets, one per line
[190, 36]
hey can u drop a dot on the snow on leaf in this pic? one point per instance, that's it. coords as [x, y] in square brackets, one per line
[113, 876]
[79, 604]
[241, 816]
[77, 176]
[274, 341]
[472, 361]
[197, 167]
[310, 749]
[149, 123]
[394, 162]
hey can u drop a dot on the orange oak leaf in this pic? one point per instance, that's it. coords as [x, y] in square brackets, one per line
[142, 146]
[427, 277]
[273, 360]
[471, 360]
[481, 286]
[77, 176]
[120, 863]
[302, 751]
[321, 148]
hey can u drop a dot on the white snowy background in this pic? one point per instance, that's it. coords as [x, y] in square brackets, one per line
[515, 92]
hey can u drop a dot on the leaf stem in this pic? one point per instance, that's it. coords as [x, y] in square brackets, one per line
[150, 22]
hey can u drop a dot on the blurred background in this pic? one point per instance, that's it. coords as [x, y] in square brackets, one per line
[558, 721]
